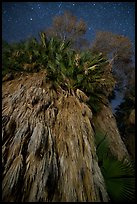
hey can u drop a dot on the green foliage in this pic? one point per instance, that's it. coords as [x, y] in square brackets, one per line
[64, 66]
[102, 147]
[119, 176]
[119, 179]
[6, 52]
[17, 55]
[81, 70]
[95, 102]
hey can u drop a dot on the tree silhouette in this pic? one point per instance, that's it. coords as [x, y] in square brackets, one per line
[67, 27]
[119, 50]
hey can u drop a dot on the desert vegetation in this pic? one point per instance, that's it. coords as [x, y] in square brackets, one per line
[89, 75]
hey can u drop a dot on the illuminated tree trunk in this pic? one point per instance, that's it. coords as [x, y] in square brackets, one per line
[106, 123]
[48, 148]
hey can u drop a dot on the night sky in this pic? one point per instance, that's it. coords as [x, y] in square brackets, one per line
[21, 20]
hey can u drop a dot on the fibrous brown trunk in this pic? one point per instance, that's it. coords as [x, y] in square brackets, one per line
[106, 123]
[48, 148]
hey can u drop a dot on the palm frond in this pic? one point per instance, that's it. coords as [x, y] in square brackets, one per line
[102, 145]
[12, 176]
[119, 178]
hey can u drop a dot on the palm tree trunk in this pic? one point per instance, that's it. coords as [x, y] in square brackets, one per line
[48, 147]
[106, 123]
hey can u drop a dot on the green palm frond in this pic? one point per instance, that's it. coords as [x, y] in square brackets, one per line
[84, 69]
[64, 45]
[43, 39]
[119, 178]
[95, 98]
[102, 145]
[80, 78]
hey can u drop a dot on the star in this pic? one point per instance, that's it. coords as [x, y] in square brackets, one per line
[32, 8]
[9, 19]
[73, 4]
[30, 19]
[60, 5]
[39, 6]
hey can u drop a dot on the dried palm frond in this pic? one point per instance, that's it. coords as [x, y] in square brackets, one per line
[16, 144]
[11, 178]
[81, 95]
[57, 146]
[38, 138]
[41, 170]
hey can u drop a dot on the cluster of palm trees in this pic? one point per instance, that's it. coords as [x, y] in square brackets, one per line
[73, 70]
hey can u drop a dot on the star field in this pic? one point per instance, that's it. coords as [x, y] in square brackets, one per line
[25, 19]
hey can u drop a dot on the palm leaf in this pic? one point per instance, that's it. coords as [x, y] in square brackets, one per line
[43, 39]
[94, 100]
[119, 179]
[119, 176]
[64, 45]
[11, 178]
[102, 145]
